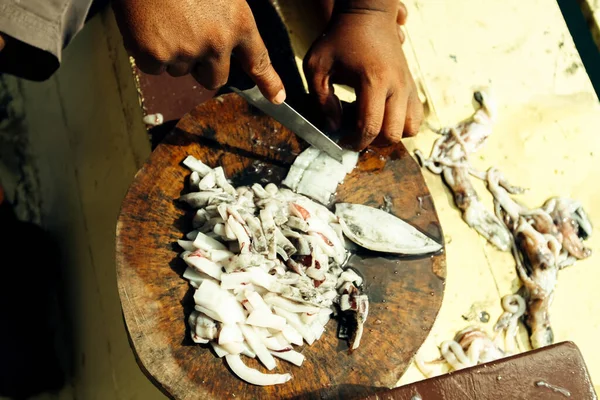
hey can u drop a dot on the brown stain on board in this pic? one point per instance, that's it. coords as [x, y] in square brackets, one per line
[406, 292]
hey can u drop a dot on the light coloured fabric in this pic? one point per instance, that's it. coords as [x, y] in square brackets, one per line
[48, 25]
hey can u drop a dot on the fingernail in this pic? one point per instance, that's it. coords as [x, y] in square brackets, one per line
[280, 98]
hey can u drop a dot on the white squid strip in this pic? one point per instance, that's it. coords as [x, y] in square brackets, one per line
[198, 199]
[296, 323]
[220, 351]
[208, 182]
[208, 312]
[196, 165]
[284, 243]
[309, 318]
[240, 233]
[289, 305]
[378, 230]
[292, 335]
[263, 279]
[318, 330]
[256, 345]
[219, 301]
[272, 343]
[196, 277]
[297, 223]
[265, 319]
[206, 243]
[235, 279]
[221, 181]
[257, 301]
[291, 356]
[200, 218]
[194, 181]
[269, 228]
[349, 276]
[234, 347]
[218, 256]
[187, 245]
[324, 316]
[203, 264]
[253, 376]
[230, 333]
[260, 192]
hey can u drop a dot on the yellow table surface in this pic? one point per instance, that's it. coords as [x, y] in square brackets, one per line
[547, 139]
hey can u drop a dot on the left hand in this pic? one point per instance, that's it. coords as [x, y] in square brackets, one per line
[362, 48]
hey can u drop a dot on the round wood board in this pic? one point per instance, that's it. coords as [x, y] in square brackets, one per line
[405, 292]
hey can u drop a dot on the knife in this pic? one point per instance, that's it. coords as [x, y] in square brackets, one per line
[292, 120]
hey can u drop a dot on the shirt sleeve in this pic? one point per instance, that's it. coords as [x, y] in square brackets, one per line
[45, 26]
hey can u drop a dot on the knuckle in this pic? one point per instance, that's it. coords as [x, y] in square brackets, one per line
[155, 54]
[261, 65]
[368, 129]
[393, 135]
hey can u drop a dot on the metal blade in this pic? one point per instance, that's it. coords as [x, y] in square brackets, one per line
[292, 120]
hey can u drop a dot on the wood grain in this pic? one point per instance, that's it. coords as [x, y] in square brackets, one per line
[405, 293]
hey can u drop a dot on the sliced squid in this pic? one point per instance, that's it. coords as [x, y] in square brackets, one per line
[377, 230]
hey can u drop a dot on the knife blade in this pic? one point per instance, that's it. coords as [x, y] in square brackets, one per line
[292, 120]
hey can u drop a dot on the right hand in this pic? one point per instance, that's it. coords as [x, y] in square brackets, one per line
[197, 37]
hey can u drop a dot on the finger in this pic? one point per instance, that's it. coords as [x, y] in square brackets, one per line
[402, 14]
[401, 34]
[255, 60]
[212, 73]
[371, 106]
[179, 68]
[150, 64]
[393, 120]
[320, 86]
[414, 114]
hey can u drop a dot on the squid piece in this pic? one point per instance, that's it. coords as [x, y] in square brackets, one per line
[374, 229]
[573, 224]
[452, 149]
[254, 376]
[197, 166]
[473, 211]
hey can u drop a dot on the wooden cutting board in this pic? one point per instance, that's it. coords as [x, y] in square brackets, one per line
[405, 292]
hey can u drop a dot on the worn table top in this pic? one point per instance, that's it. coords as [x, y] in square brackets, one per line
[156, 300]
[546, 139]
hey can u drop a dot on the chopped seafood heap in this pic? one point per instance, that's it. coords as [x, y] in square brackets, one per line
[267, 265]
[542, 240]
[317, 175]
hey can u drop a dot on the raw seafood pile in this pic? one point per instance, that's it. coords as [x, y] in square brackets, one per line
[473, 346]
[267, 264]
[543, 240]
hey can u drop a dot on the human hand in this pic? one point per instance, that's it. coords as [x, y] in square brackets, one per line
[2, 42]
[362, 48]
[197, 37]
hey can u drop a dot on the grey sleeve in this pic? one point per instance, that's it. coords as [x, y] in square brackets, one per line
[47, 25]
